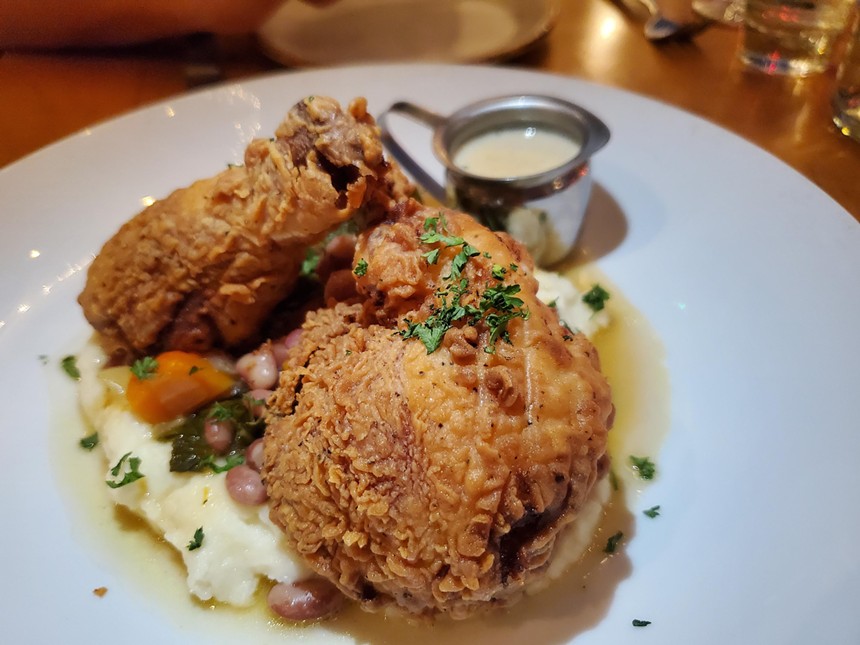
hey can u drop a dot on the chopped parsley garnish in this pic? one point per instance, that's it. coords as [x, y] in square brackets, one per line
[194, 369]
[553, 304]
[652, 512]
[503, 299]
[310, 263]
[644, 466]
[459, 261]
[596, 298]
[641, 623]
[433, 234]
[89, 442]
[197, 541]
[360, 267]
[612, 542]
[231, 462]
[70, 367]
[144, 368]
[432, 257]
[497, 305]
[220, 412]
[613, 480]
[132, 474]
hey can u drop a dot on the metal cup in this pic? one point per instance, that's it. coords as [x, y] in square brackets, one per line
[543, 210]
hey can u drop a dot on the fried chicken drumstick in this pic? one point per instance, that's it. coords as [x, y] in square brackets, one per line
[203, 267]
[434, 472]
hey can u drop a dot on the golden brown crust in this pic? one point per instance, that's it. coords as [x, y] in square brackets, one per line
[434, 482]
[205, 266]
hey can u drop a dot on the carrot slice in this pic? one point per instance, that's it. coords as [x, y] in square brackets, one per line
[180, 384]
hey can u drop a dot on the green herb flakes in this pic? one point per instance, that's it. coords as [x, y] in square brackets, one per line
[89, 442]
[144, 368]
[197, 541]
[310, 263]
[194, 369]
[652, 512]
[360, 267]
[641, 623]
[612, 542]
[130, 474]
[596, 298]
[70, 367]
[230, 462]
[432, 257]
[644, 467]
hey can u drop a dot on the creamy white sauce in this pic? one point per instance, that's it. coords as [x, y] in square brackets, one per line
[515, 152]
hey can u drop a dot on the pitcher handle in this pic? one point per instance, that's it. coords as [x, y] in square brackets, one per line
[426, 117]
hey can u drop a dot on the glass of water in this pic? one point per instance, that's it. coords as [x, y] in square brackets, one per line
[846, 99]
[729, 12]
[794, 37]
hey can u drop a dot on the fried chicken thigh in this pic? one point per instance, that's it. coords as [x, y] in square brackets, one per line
[435, 479]
[203, 267]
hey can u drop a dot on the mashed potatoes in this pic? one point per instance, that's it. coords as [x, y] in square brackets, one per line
[241, 548]
[240, 544]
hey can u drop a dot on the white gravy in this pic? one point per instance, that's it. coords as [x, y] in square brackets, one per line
[515, 152]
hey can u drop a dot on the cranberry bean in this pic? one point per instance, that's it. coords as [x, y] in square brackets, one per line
[305, 600]
[259, 409]
[258, 369]
[219, 434]
[245, 486]
[254, 455]
[281, 346]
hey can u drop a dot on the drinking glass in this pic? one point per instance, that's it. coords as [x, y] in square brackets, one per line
[730, 12]
[846, 99]
[794, 37]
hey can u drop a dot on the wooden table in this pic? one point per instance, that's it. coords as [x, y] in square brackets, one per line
[46, 96]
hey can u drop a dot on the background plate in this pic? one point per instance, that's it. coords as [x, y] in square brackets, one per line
[455, 31]
[747, 272]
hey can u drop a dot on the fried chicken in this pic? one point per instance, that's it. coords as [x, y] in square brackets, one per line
[435, 479]
[205, 266]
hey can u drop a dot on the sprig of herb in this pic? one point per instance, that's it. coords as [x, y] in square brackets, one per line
[131, 475]
[652, 512]
[596, 298]
[310, 263]
[612, 542]
[70, 367]
[89, 442]
[144, 368]
[644, 467]
[197, 541]
[497, 305]
[230, 462]
[641, 623]
[360, 267]
[431, 331]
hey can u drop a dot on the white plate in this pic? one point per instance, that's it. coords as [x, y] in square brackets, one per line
[748, 273]
[455, 31]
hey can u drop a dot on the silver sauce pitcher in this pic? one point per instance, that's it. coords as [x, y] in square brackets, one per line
[543, 210]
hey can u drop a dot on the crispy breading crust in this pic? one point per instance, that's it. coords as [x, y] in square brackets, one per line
[436, 483]
[204, 267]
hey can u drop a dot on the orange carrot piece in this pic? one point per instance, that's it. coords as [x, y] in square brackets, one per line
[182, 383]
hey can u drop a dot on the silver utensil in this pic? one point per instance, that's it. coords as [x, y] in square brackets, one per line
[660, 29]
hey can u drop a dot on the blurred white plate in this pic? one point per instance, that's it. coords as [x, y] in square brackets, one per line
[747, 272]
[455, 31]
